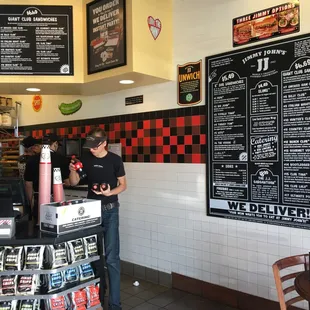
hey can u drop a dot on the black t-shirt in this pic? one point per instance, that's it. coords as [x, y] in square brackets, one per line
[102, 170]
[33, 164]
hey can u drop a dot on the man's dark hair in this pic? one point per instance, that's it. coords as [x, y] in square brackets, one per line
[98, 132]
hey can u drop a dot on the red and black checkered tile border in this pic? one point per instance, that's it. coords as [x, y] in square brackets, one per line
[170, 136]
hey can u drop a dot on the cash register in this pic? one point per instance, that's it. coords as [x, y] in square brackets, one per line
[13, 201]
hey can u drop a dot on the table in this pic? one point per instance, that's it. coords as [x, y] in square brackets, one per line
[302, 285]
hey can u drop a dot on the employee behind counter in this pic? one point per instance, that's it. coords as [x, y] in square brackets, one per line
[32, 172]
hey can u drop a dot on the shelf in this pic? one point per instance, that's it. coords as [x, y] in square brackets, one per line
[6, 109]
[52, 271]
[51, 295]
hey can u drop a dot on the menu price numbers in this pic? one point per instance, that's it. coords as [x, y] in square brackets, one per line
[303, 64]
[227, 77]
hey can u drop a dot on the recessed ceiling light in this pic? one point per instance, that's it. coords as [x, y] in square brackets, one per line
[33, 89]
[126, 82]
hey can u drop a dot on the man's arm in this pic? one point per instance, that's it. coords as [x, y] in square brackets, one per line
[122, 186]
[67, 182]
[74, 177]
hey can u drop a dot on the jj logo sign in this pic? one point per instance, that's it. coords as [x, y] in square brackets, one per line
[262, 64]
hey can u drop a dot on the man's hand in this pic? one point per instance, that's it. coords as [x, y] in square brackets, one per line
[106, 193]
[74, 177]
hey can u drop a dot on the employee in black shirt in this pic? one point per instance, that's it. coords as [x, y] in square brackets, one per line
[31, 146]
[102, 166]
[31, 176]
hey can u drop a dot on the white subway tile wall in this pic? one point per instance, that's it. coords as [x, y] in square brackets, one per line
[164, 226]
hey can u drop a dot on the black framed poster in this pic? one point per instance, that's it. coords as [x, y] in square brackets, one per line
[189, 83]
[36, 40]
[106, 35]
[273, 22]
[259, 133]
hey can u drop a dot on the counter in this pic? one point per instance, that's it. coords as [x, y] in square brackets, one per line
[28, 234]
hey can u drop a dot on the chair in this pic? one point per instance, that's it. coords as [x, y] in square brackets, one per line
[283, 264]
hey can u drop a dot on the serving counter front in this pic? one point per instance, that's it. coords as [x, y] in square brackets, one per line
[46, 271]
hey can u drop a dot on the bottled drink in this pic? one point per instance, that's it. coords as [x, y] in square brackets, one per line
[104, 186]
[78, 167]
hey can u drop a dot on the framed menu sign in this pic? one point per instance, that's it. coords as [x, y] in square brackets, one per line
[259, 133]
[36, 40]
[106, 35]
[272, 22]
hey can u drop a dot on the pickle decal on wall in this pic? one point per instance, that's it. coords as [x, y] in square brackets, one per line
[155, 26]
[70, 108]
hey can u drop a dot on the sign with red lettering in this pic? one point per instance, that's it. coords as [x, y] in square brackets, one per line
[269, 23]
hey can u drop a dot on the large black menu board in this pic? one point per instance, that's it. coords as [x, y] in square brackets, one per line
[106, 35]
[259, 133]
[36, 40]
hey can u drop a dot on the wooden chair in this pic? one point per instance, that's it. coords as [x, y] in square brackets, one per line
[283, 264]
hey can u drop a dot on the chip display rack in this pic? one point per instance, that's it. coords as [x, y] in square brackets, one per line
[29, 235]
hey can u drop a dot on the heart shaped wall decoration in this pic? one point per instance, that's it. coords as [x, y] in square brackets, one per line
[154, 26]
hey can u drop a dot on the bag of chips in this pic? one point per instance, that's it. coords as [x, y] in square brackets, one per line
[8, 305]
[55, 282]
[78, 300]
[76, 250]
[8, 285]
[58, 303]
[71, 275]
[26, 284]
[86, 272]
[13, 258]
[34, 257]
[92, 293]
[56, 255]
[2, 257]
[91, 247]
[30, 304]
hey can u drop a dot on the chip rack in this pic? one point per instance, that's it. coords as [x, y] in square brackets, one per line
[27, 234]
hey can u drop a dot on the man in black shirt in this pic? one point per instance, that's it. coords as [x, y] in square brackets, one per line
[31, 175]
[31, 146]
[100, 167]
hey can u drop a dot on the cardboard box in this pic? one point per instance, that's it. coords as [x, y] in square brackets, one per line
[7, 227]
[61, 218]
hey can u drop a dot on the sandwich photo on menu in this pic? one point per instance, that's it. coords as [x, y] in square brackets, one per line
[243, 32]
[288, 20]
[265, 27]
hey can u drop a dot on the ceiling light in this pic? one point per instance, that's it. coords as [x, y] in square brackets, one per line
[33, 89]
[126, 82]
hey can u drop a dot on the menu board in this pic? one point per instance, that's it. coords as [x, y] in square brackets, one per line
[106, 35]
[259, 133]
[268, 23]
[36, 40]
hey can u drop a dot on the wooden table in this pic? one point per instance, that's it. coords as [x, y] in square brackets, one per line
[302, 285]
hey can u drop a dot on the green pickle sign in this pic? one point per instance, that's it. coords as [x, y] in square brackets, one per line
[70, 108]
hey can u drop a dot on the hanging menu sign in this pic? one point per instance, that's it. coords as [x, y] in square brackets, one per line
[272, 22]
[106, 35]
[259, 133]
[36, 40]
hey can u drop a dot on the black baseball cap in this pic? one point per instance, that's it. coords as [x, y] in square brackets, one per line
[29, 142]
[93, 142]
[51, 138]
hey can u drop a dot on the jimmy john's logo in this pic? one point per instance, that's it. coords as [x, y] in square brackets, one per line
[189, 83]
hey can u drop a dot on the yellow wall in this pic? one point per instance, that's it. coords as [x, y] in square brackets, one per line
[78, 45]
[152, 57]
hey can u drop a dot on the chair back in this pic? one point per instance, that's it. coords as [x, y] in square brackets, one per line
[283, 264]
